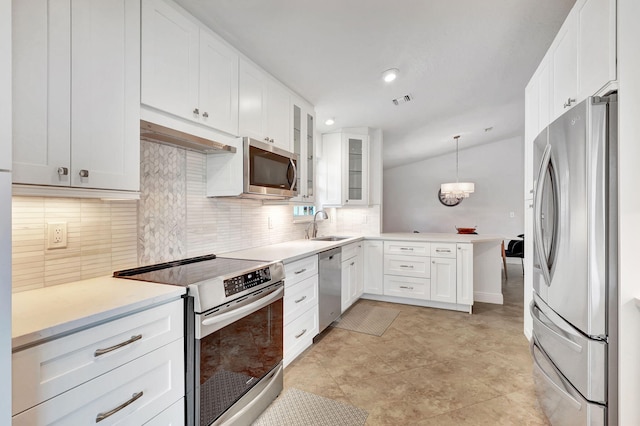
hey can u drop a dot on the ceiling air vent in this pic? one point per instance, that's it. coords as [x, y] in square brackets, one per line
[402, 99]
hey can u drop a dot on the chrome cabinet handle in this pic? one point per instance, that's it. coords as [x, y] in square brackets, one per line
[408, 266]
[300, 271]
[406, 248]
[99, 352]
[569, 102]
[301, 333]
[196, 111]
[443, 251]
[205, 114]
[271, 140]
[101, 416]
[352, 263]
[407, 287]
[84, 173]
[266, 139]
[63, 171]
[301, 299]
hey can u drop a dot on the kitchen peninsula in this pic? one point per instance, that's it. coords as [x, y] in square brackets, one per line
[439, 270]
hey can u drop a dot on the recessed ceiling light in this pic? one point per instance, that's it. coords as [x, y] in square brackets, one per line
[390, 75]
[329, 122]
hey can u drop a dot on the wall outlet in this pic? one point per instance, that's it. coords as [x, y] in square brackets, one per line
[512, 214]
[270, 223]
[56, 235]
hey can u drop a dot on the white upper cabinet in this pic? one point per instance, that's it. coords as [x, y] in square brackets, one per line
[76, 93]
[186, 70]
[584, 54]
[303, 144]
[596, 46]
[345, 169]
[264, 107]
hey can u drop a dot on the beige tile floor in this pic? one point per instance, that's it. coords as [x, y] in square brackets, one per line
[431, 366]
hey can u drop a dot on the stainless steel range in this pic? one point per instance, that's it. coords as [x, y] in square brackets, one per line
[233, 334]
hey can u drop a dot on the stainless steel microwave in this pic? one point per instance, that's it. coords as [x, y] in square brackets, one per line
[269, 172]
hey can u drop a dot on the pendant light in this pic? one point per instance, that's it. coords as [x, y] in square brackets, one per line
[457, 190]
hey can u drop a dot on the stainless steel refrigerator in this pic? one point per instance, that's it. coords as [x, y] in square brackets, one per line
[574, 307]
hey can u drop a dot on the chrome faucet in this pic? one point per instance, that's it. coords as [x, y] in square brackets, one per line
[314, 225]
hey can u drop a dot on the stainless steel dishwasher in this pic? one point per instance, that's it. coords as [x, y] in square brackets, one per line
[329, 287]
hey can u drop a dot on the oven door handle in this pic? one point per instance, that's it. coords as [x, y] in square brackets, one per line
[240, 312]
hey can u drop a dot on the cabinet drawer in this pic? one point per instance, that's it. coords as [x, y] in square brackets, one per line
[407, 266]
[351, 250]
[299, 298]
[299, 270]
[172, 416]
[443, 250]
[407, 248]
[415, 288]
[158, 376]
[299, 334]
[44, 371]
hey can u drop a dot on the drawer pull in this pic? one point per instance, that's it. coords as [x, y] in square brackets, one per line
[99, 352]
[300, 271]
[101, 416]
[406, 248]
[443, 251]
[301, 299]
[407, 266]
[301, 333]
[352, 263]
[406, 287]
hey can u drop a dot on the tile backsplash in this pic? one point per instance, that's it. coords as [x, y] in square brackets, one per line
[173, 219]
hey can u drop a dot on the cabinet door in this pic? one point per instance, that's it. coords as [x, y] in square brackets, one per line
[443, 279]
[373, 267]
[252, 119]
[332, 168]
[596, 46]
[349, 282]
[105, 94]
[309, 158]
[41, 91]
[218, 101]
[565, 67]
[278, 102]
[356, 174]
[170, 58]
[464, 274]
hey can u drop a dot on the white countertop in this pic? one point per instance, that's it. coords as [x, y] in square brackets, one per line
[288, 251]
[297, 249]
[47, 312]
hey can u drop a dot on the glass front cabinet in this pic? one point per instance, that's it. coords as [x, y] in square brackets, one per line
[303, 138]
[345, 164]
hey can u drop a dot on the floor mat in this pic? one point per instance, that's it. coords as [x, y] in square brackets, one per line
[295, 407]
[367, 319]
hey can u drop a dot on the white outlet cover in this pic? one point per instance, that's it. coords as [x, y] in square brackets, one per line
[56, 235]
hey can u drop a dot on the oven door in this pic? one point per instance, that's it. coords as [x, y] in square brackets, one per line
[268, 170]
[237, 345]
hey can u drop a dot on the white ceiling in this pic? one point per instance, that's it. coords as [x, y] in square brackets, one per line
[465, 62]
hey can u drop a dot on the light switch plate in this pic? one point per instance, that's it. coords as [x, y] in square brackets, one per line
[56, 235]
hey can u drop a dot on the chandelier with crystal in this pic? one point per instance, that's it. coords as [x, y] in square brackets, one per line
[457, 190]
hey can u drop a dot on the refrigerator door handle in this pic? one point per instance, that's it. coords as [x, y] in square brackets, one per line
[577, 405]
[537, 215]
[563, 335]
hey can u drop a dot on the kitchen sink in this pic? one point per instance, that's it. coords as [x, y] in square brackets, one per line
[331, 238]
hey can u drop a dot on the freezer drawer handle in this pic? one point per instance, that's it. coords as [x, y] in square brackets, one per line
[561, 391]
[101, 416]
[561, 334]
[99, 352]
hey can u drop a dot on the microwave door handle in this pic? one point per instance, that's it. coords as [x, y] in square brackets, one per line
[295, 173]
[537, 215]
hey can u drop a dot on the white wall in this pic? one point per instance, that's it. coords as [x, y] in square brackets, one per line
[411, 191]
[629, 213]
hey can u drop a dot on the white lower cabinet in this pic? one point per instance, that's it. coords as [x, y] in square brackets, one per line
[74, 378]
[300, 306]
[443, 279]
[131, 394]
[372, 267]
[464, 274]
[415, 288]
[352, 276]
